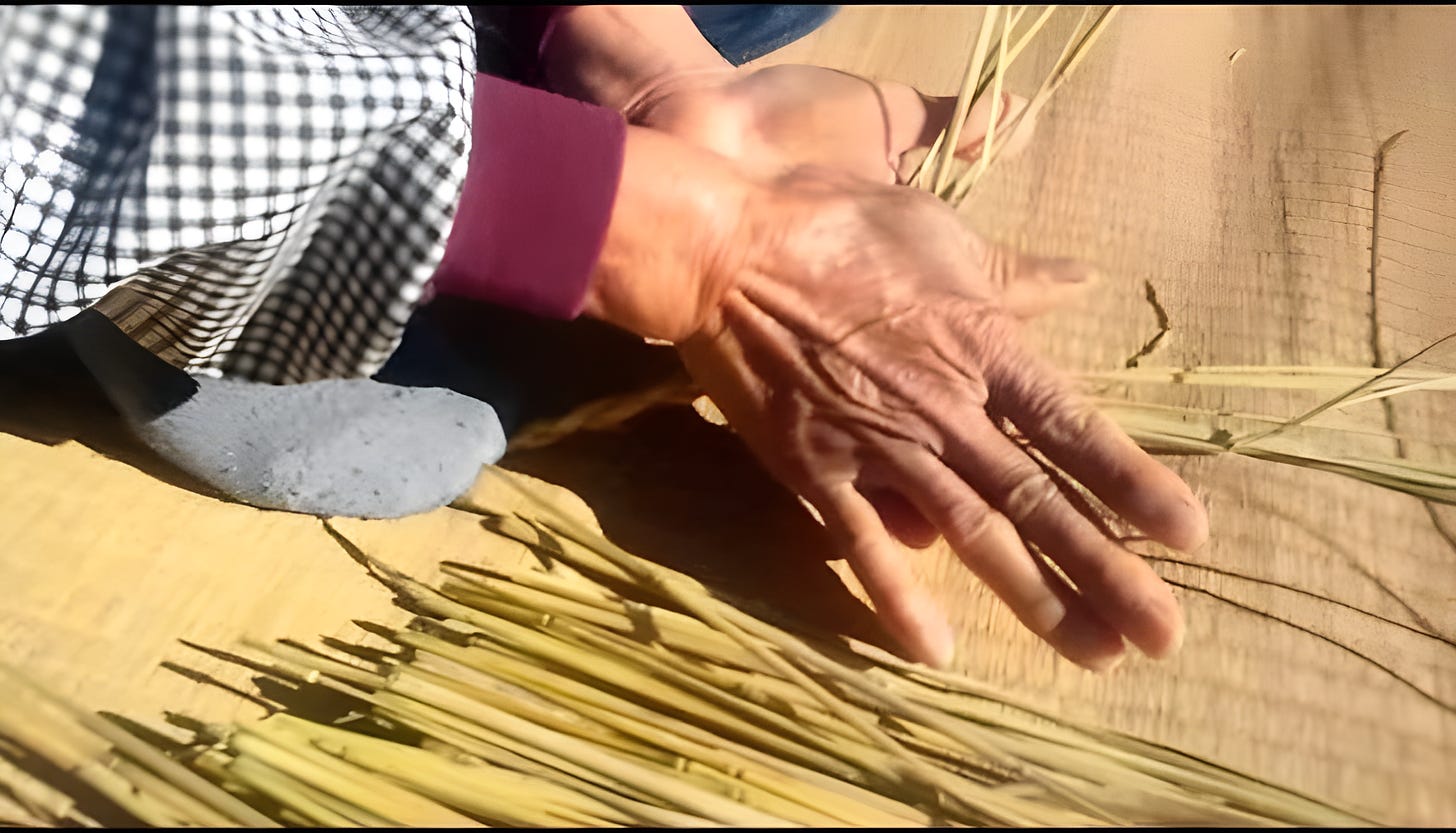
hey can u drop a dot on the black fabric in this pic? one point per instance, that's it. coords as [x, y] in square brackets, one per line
[140, 385]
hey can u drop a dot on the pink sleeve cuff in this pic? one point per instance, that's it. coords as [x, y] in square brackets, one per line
[538, 195]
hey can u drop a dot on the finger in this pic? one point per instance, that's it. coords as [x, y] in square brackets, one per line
[908, 612]
[988, 544]
[1029, 285]
[1034, 285]
[1089, 446]
[1081, 500]
[901, 518]
[1118, 585]
[917, 120]
[978, 121]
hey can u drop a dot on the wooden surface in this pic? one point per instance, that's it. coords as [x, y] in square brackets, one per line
[1242, 190]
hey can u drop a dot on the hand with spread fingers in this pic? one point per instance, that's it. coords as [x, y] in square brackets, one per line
[866, 360]
[864, 344]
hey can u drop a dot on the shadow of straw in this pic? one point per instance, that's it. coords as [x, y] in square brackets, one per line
[87, 800]
[685, 494]
[48, 396]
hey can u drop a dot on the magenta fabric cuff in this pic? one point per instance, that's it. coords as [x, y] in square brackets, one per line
[537, 199]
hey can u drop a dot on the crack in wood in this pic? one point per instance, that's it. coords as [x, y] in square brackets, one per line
[1347, 555]
[1376, 353]
[1429, 633]
[1163, 326]
[1392, 673]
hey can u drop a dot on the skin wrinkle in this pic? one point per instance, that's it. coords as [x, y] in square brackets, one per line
[865, 361]
[1122, 587]
[854, 300]
[1062, 417]
[1042, 612]
[969, 389]
[999, 265]
[1096, 453]
[971, 522]
[758, 321]
[998, 557]
[906, 523]
[821, 455]
[1050, 404]
[784, 401]
[887, 417]
[1028, 497]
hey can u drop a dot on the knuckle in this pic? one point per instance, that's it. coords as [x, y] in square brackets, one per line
[1059, 415]
[988, 336]
[971, 521]
[1130, 584]
[1044, 614]
[1028, 497]
[999, 265]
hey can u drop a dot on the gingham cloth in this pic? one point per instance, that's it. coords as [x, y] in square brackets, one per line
[258, 192]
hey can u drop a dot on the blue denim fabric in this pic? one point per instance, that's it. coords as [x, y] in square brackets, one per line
[743, 33]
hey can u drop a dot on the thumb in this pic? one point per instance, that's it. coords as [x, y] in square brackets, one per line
[973, 133]
[1032, 285]
[916, 120]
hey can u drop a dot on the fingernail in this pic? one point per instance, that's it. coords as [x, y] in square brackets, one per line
[1176, 645]
[1089, 642]
[936, 642]
[1073, 272]
[1105, 664]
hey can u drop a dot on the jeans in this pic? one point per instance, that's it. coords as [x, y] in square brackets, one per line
[743, 33]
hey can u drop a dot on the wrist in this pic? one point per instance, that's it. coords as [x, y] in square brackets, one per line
[677, 240]
[616, 56]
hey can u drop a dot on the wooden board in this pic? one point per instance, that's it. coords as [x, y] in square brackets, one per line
[1241, 190]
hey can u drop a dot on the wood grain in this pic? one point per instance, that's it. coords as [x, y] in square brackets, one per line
[1242, 191]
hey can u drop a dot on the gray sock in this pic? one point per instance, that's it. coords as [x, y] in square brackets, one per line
[351, 447]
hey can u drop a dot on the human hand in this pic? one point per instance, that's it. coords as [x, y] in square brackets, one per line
[865, 353]
[778, 118]
[864, 344]
[652, 64]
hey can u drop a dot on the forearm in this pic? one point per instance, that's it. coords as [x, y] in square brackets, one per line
[567, 210]
[612, 55]
[676, 236]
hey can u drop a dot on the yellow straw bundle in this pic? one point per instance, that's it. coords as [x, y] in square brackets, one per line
[602, 689]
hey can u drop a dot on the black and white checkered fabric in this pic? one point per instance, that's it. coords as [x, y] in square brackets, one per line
[281, 179]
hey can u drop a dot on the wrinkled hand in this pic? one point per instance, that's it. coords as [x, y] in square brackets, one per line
[776, 119]
[859, 338]
[865, 349]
